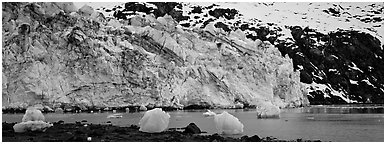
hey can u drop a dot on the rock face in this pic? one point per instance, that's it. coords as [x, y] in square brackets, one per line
[343, 66]
[192, 128]
[69, 59]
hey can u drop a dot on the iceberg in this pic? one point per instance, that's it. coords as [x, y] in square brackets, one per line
[33, 114]
[154, 121]
[228, 124]
[118, 115]
[209, 113]
[31, 126]
[142, 108]
[267, 110]
[33, 120]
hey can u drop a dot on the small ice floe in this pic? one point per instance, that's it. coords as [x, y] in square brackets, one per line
[209, 113]
[118, 115]
[142, 108]
[33, 120]
[154, 121]
[310, 117]
[228, 124]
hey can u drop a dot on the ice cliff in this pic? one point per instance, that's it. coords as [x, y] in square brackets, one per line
[58, 56]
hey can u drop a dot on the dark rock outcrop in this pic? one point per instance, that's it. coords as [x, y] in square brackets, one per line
[350, 62]
[192, 129]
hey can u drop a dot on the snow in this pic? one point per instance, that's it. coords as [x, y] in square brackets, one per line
[354, 67]
[154, 121]
[354, 82]
[100, 5]
[368, 83]
[325, 88]
[228, 124]
[310, 14]
[288, 14]
[332, 70]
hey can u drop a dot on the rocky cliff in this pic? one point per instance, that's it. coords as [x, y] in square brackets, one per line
[58, 56]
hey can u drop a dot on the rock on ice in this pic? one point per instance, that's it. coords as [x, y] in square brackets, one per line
[228, 124]
[154, 121]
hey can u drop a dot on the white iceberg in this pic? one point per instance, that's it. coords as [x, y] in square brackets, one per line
[118, 115]
[33, 120]
[33, 114]
[154, 121]
[142, 108]
[267, 110]
[209, 113]
[31, 126]
[228, 124]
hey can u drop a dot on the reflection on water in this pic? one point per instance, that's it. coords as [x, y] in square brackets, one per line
[346, 109]
[327, 123]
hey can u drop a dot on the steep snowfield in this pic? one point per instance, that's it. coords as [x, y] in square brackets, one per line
[317, 15]
[313, 15]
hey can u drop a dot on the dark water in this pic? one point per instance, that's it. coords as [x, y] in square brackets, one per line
[340, 123]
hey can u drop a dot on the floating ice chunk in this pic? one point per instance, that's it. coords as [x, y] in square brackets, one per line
[31, 126]
[228, 124]
[33, 114]
[154, 121]
[209, 113]
[142, 108]
[115, 116]
[267, 110]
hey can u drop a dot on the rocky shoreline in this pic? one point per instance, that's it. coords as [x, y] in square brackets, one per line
[78, 132]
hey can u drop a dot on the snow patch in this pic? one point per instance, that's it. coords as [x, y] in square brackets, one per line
[326, 89]
[354, 82]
